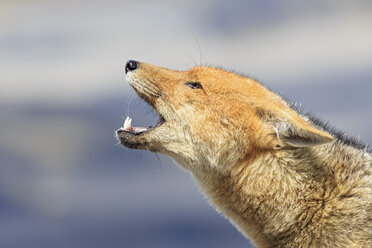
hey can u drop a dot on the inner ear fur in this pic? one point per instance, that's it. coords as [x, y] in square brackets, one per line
[298, 134]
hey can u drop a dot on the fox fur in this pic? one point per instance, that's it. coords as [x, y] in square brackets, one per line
[282, 178]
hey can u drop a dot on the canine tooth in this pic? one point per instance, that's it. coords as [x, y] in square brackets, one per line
[127, 123]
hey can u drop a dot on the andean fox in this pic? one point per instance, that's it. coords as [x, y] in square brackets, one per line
[282, 178]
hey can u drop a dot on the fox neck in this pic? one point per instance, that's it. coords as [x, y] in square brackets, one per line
[259, 193]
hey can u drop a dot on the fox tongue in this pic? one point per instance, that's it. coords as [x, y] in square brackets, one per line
[139, 129]
[127, 126]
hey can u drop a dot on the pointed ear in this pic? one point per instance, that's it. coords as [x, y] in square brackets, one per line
[299, 134]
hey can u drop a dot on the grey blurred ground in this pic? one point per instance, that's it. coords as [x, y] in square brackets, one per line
[64, 181]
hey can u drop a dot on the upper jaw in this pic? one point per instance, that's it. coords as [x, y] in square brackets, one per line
[140, 137]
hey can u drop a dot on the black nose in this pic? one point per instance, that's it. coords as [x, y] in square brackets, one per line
[131, 66]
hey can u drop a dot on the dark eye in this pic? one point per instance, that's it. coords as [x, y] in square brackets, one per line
[194, 85]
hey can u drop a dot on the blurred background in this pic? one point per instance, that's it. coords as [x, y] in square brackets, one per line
[65, 181]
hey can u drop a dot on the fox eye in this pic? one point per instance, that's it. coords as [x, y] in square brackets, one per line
[194, 85]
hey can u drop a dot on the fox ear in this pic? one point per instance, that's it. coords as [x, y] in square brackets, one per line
[303, 135]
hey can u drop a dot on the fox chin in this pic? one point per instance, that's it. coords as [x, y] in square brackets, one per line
[284, 179]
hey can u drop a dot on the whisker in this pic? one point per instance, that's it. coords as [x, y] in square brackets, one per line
[199, 49]
[129, 101]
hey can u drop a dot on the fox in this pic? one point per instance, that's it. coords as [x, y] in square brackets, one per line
[282, 177]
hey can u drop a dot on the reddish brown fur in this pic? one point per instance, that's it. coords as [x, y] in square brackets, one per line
[283, 181]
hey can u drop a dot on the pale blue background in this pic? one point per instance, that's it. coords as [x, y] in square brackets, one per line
[64, 181]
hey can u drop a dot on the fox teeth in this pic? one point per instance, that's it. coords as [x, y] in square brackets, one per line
[127, 123]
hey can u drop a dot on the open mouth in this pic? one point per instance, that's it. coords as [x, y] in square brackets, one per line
[139, 137]
[128, 128]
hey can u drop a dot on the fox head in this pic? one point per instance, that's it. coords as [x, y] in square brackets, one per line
[210, 117]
